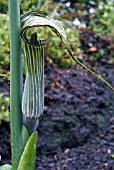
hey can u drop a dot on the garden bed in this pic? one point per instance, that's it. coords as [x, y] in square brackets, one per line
[76, 130]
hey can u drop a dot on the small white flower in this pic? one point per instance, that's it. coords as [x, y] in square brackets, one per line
[68, 4]
[92, 10]
[82, 25]
[76, 22]
[100, 6]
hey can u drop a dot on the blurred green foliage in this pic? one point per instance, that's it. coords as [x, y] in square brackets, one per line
[4, 42]
[104, 18]
[4, 108]
[102, 23]
[3, 6]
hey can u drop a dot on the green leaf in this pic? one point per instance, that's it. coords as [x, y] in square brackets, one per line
[28, 157]
[41, 19]
[6, 167]
[112, 156]
[25, 135]
[3, 75]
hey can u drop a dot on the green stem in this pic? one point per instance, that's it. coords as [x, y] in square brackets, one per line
[16, 82]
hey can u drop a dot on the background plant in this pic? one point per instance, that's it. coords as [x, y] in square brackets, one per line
[4, 43]
[4, 108]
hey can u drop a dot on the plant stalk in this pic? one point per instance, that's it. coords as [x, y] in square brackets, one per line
[15, 82]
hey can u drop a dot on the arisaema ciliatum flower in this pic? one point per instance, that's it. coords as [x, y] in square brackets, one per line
[33, 95]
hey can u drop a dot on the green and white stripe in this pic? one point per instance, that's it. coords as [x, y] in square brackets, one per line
[33, 95]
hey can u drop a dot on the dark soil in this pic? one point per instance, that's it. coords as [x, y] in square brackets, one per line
[77, 129]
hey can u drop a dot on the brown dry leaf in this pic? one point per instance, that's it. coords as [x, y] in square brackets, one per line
[92, 49]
